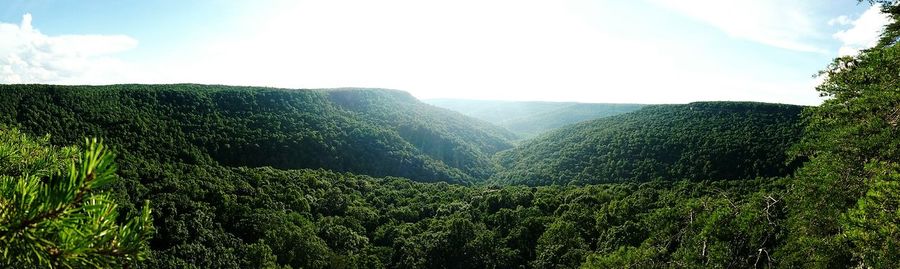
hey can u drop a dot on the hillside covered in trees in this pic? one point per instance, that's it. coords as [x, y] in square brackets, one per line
[211, 161]
[696, 141]
[211, 216]
[368, 131]
[243, 210]
[529, 119]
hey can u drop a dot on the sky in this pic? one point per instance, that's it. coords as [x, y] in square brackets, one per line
[639, 51]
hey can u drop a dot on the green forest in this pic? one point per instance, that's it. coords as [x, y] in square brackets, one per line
[696, 141]
[213, 176]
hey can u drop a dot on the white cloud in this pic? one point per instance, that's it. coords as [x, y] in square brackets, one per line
[29, 56]
[783, 24]
[865, 31]
[840, 20]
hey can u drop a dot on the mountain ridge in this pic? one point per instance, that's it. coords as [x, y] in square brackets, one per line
[368, 131]
[734, 140]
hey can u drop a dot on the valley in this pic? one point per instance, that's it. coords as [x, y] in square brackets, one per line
[370, 178]
[449, 134]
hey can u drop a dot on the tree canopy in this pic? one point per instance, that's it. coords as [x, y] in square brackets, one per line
[697, 141]
[845, 198]
[369, 131]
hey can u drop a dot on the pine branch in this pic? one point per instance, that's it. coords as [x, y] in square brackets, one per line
[31, 223]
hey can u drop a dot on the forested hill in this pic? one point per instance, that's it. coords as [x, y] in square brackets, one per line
[413, 120]
[367, 131]
[529, 119]
[698, 141]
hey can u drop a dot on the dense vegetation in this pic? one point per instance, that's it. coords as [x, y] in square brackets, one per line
[846, 198]
[701, 185]
[51, 214]
[230, 217]
[221, 217]
[368, 131]
[209, 213]
[697, 141]
[529, 119]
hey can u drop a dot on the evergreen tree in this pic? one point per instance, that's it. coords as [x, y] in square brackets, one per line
[844, 203]
[51, 215]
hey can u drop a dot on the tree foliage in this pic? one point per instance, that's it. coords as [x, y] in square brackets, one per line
[211, 211]
[698, 141]
[212, 216]
[51, 214]
[844, 211]
[369, 131]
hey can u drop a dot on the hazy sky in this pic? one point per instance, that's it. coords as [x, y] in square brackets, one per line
[642, 51]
